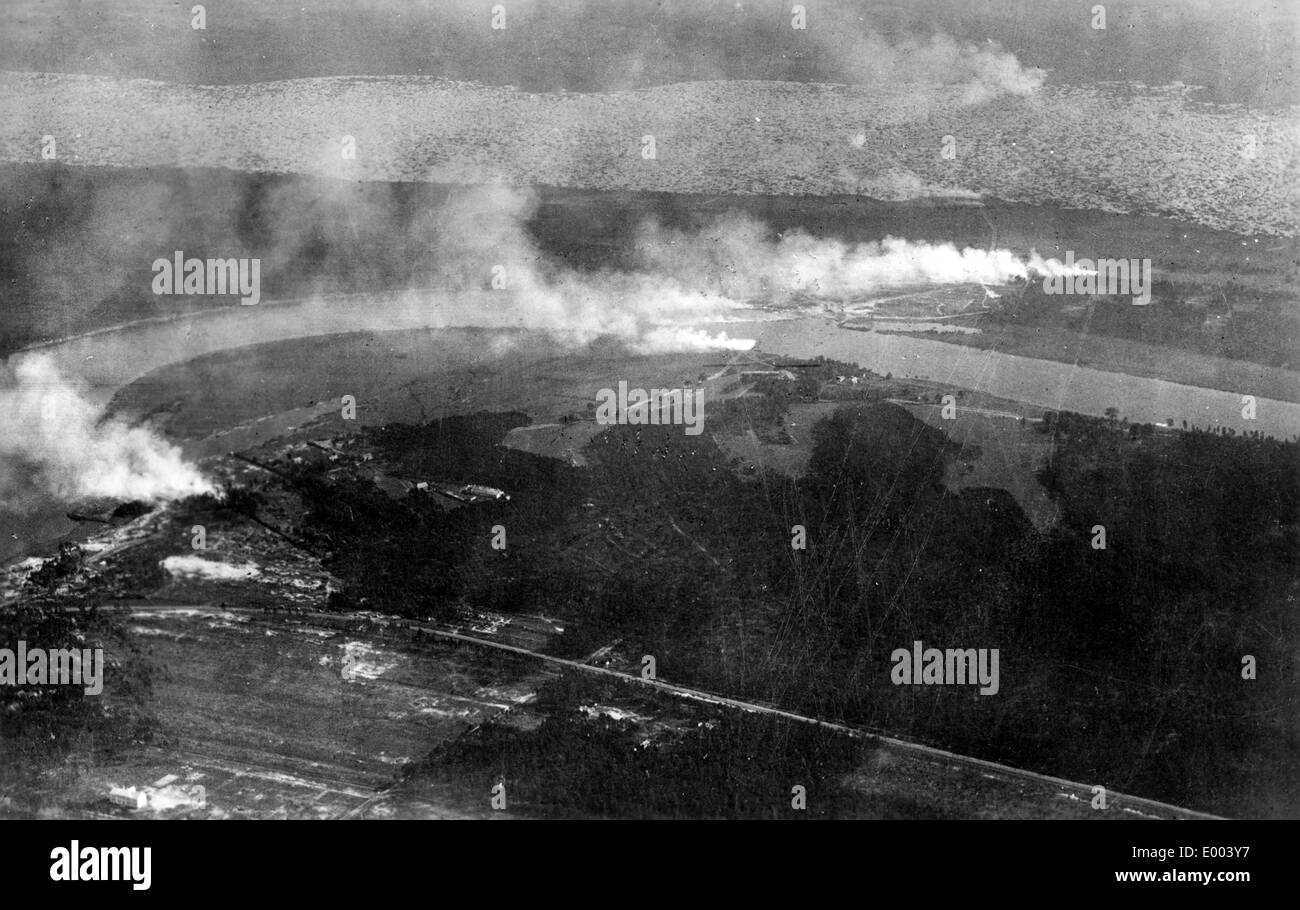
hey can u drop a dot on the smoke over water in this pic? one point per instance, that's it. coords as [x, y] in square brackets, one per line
[484, 231]
[60, 443]
[738, 257]
[492, 274]
[682, 279]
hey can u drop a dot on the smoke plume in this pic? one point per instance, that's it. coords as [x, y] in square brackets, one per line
[484, 232]
[737, 257]
[682, 279]
[673, 289]
[982, 72]
[62, 442]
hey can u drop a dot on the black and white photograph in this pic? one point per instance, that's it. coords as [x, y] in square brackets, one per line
[649, 410]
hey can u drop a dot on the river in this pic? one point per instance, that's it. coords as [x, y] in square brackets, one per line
[110, 359]
[1042, 383]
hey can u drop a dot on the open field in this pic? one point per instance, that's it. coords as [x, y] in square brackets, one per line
[1010, 454]
[317, 717]
[999, 450]
[283, 718]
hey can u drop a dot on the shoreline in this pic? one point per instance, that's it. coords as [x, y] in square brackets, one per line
[146, 345]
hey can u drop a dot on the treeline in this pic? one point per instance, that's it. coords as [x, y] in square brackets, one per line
[1243, 325]
[1120, 665]
[1195, 582]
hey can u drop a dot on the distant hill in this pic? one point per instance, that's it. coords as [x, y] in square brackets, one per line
[1112, 148]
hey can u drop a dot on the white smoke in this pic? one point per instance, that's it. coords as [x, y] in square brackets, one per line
[981, 72]
[685, 279]
[682, 282]
[60, 440]
[738, 258]
[484, 232]
[682, 338]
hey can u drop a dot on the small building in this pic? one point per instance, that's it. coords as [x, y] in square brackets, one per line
[129, 797]
[759, 374]
[481, 492]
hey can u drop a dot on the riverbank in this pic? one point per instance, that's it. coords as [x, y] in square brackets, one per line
[1047, 384]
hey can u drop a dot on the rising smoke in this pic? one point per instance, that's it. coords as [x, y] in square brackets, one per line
[589, 45]
[979, 72]
[739, 256]
[58, 439]
[679, 282]
[682, 279]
